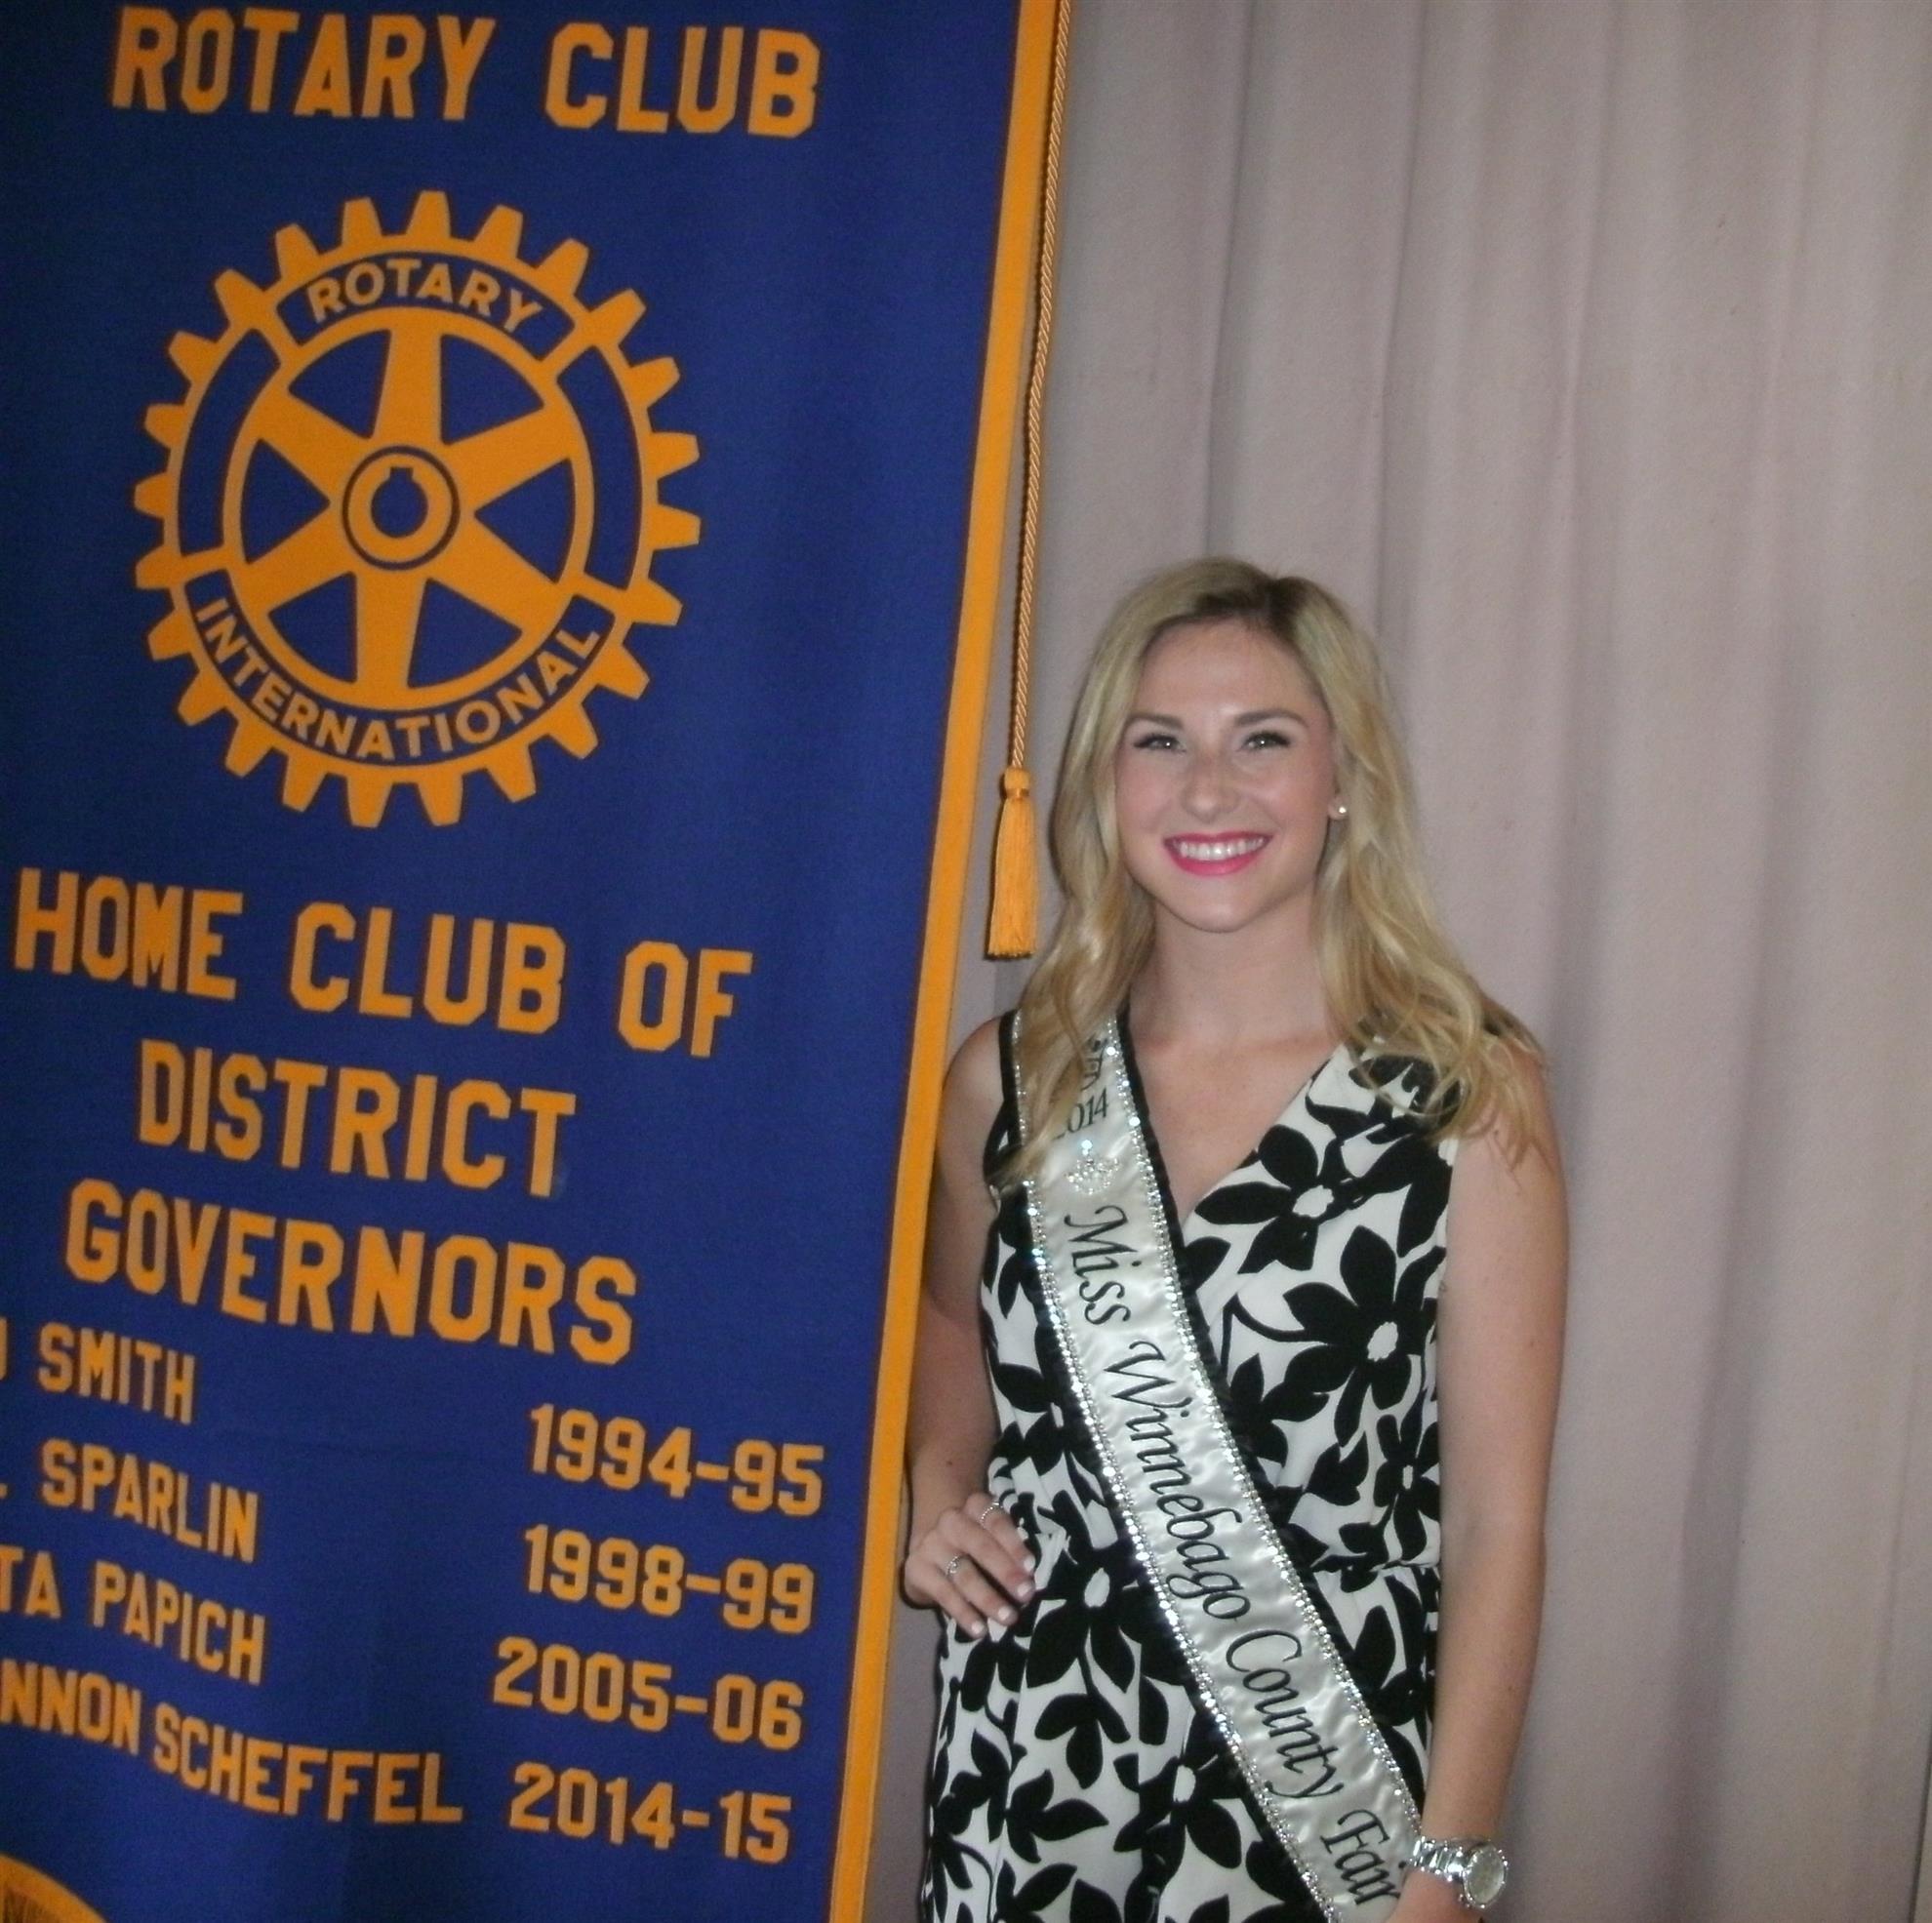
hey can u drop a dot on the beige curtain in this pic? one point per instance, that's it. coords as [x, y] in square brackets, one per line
[1586, 348]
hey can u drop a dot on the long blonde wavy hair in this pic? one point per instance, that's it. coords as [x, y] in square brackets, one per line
[1395, 985]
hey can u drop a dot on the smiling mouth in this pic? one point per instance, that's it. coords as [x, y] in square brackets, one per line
[1219, 855]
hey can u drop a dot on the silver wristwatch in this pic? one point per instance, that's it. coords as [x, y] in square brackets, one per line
[1473, 1864]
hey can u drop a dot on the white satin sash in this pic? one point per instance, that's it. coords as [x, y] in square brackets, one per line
[1265, 1667]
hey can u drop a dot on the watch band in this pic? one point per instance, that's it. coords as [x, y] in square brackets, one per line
[1474, 1865]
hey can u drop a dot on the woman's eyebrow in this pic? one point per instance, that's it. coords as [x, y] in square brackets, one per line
[1246, 720]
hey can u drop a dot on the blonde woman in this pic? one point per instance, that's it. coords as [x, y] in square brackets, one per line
[1238, 1356]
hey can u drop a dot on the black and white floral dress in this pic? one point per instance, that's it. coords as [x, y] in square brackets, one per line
[1073, 1778]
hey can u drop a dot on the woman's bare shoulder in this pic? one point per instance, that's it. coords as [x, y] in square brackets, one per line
[1522, 1128]
[1507, 1206]
[975, 1086]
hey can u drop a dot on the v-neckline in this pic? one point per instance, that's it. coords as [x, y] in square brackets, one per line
[1179, 1224]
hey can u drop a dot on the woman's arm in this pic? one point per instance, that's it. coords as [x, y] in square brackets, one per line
[954, 1521]
[1499, 1344]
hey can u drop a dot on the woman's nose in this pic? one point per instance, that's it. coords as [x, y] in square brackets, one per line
[1210, 784]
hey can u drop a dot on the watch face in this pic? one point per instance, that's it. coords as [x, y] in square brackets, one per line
[1488, 1871]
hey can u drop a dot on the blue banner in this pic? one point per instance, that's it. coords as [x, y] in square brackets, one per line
[493, 506]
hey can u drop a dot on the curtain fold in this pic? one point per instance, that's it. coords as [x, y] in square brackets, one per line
[1586, 349]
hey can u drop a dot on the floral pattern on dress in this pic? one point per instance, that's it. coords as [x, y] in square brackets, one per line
[1074, 1779]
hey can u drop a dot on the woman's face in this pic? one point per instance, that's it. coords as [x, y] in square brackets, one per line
[1224, 780]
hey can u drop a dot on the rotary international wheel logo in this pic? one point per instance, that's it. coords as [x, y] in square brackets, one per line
[26, 1893]
[409, 508]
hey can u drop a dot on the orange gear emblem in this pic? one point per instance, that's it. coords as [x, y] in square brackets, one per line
[409, 507]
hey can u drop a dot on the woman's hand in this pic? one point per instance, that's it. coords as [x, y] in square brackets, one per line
[973, 1563]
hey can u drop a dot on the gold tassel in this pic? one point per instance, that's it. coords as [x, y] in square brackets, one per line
[1014, 922]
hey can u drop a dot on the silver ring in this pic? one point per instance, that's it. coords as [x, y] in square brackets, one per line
[991, 1508]
[953, 1568]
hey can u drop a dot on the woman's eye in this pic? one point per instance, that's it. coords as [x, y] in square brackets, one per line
[1154, 740]
[1268, 737]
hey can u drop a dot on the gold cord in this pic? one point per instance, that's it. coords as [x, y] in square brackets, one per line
[1013, 923]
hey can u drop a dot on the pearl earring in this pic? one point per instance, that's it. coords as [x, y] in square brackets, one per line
[1339, 811]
